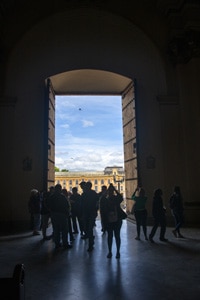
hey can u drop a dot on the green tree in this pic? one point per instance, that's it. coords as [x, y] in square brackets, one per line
[56, 169]
[64, 170]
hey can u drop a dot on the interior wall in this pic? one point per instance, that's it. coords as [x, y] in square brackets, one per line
[75, 40]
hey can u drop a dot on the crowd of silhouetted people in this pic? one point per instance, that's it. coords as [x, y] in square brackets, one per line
[72, 213]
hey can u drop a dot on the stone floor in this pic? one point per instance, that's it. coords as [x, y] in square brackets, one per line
[145, 271]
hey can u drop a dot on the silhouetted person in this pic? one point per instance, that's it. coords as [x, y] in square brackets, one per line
[45, 213]
[158, 211]
[60, 209]
[140, 211]
[101, 194]
[176, 205]
[89, 200]
[34, 206]
[70, 231]
[111, 212]
[75, 201]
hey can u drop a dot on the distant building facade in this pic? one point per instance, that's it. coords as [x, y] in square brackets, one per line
[114, 175]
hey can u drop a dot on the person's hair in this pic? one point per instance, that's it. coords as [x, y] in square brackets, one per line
[58, 187]
[104, 187]
[111, 187]
[89, 184]
[177, 189]
[142, 192]
[157, 193]
[74, 189]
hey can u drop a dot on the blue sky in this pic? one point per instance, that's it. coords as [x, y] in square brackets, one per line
[88, 132]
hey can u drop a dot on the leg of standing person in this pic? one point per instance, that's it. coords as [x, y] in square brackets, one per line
[138, 224]
[110, 239]
[117, 230]
[80, 223]
[144, 223]
[153, 230]
[85, 227]
[56, 229]
[74, 223]
[178, 223]
[37, 223]
[65, 231]
[45, 220]
[70, 232]
[163, 229]
[90, 234]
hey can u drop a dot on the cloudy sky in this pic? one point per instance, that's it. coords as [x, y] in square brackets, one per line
[88, 132]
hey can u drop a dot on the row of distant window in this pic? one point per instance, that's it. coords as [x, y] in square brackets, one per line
[77, 181]
[96, 187]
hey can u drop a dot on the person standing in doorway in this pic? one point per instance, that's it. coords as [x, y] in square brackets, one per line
[140, 211]
[34, 206]
[158, 211]
[176, 205]
[101, 194]
[111, 214]
[75, 201]
[60, 210]
[89, 200]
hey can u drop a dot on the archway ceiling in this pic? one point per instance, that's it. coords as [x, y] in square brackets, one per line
[89, 82]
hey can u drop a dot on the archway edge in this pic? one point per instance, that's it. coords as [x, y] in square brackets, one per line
[90, 82]
[104, 44]
[86, 39]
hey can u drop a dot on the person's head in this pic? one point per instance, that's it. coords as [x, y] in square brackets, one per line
[51, 189]
[58, 188]
[74, 190]
[158, 193]
[88, 185]
[111, 189]
[141, 192]
[177, 190]
[82, 185]
[65, 192]
[104, 188]
[34, 192]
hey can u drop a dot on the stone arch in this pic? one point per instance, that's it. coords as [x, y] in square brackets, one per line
[71, 41]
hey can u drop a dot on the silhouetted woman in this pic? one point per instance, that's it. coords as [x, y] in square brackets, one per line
[140, 211]
[176, 205]
[111, 216]
[158, 211]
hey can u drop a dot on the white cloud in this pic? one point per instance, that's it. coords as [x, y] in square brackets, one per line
[87, 123]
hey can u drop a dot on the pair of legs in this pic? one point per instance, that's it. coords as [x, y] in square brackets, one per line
[45, 224]
[71, 236]
[141, 220]
[114, 229]
[178, 217]
[89, 221]
[74, 223]
[60, 229]
[160, 220]
[36, 223]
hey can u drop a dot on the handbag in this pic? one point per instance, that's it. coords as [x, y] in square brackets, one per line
[122, 214]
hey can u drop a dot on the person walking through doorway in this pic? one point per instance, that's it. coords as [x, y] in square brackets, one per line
[89, 201]
[140, 211]
[60, 210]
[176, 205]
[158, 211]
[112, 216]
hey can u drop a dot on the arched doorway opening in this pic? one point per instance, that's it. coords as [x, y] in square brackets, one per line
[95, 82]
[56, 45]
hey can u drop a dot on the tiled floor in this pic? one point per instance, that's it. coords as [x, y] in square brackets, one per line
[145, 271]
